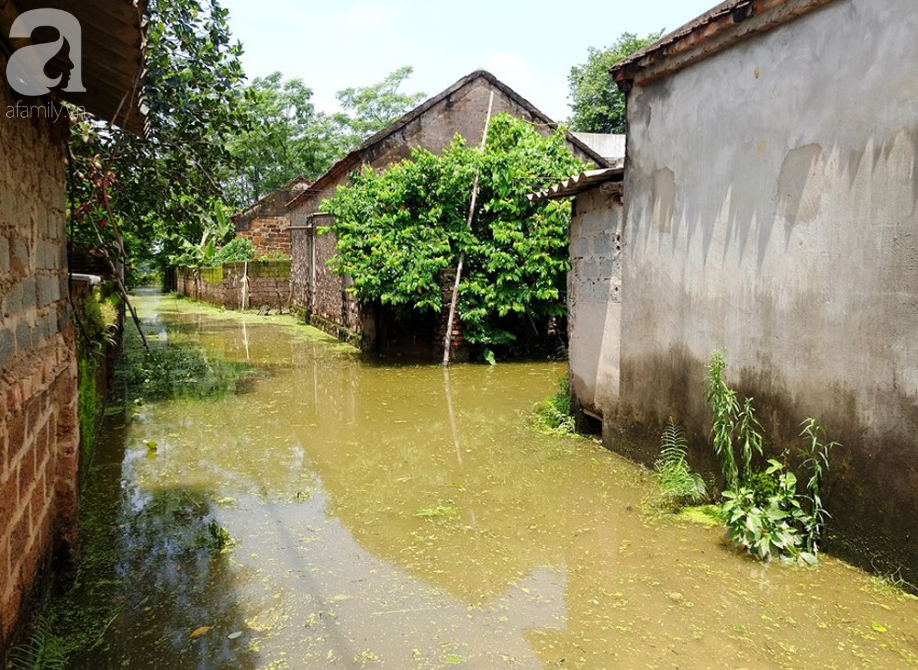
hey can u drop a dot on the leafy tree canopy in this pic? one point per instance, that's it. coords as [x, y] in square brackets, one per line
[396, 229]
[369, 109]
[167, 189]
[598, 105]
[287, 138]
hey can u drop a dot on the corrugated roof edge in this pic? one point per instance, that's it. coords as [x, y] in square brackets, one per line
[730, 22]
[578, 184]
[351, 160]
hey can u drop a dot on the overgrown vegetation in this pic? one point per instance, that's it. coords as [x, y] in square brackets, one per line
[553, 416]
[765, 512]
[175, 371]
[97, 324]
[398, 228]
[680, 486]
[43, 650]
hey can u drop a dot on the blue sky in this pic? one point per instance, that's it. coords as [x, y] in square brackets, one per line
[531, 46]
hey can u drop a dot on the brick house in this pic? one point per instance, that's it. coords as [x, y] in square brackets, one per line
[461, 109]
[39, 436]
[267, 222]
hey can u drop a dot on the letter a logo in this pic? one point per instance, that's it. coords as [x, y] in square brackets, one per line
[26, 67]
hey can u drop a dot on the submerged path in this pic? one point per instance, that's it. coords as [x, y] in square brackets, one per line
[330, 512]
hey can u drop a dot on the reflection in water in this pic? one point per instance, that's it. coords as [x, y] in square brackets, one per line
[392, 516]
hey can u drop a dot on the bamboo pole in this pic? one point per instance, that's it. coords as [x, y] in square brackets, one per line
[448, 339]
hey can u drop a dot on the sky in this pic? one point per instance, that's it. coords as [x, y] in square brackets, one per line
[530, 46]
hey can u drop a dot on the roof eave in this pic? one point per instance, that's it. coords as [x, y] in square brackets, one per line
[729, 23]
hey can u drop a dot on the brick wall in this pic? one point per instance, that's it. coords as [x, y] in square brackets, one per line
[268, 284]
[269, 234]
[38, 422]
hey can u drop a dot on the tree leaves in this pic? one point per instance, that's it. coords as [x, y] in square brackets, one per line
[598, 105]
[396, 229]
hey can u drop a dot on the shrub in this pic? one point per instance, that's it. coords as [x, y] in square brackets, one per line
[237, 250]
[680, 486]
[553, 415]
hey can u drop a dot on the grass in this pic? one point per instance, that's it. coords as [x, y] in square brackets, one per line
[553, 416]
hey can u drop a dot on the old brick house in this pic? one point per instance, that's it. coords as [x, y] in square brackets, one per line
[38, 370]
[783, 226]
[461, 109]
[267, 222]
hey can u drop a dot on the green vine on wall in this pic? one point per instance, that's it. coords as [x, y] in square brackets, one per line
[396, 230]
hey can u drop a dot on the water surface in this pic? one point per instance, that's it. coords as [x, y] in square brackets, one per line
[387, 515]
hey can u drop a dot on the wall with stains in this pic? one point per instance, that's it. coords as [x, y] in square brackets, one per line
[594, 299]
[772, 194]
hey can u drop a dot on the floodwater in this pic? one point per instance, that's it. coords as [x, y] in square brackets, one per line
[389, 516]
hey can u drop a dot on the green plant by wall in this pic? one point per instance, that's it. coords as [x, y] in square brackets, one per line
[765, 513]
[734, 426]
[679, 485]
[396, 230]
[237, 250]
[816, 461]
[42, 650]
[97, 322]
[772, 530]
[553, 416]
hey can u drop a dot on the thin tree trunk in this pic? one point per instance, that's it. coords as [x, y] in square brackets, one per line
[448, 339]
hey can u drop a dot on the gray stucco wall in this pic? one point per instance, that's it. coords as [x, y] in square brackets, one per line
[594, 300]
[771, 210]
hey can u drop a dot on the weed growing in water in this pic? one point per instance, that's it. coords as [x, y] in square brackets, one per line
[174, 371]
[764, 512]
[680, 486]
[552, 416]
[43, 650]
[734, 425]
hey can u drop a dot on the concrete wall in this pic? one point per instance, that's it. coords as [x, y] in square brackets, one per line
[771, 210]
[268, 284]
[38, 370]
[594, 299]
[321, 293]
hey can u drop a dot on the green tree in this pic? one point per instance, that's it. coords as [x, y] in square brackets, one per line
[397, 229]
[369, 109]
[598, 105]
[167, 189]
[287, 139]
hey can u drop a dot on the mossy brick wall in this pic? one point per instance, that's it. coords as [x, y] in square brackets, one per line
[269, 234]
[269, 284]
[38, 419]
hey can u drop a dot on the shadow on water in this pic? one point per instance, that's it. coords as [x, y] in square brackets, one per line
[154, 587]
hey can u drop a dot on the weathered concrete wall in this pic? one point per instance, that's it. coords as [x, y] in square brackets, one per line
[594, 299]
[269, 234]
[771, 210]
[318, 292]
[268, 284]
[38, 371]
